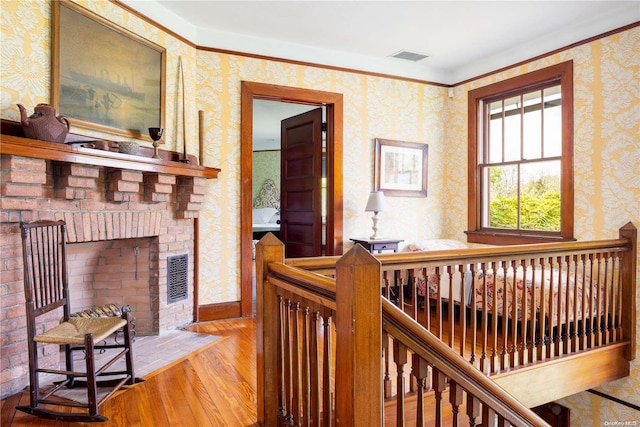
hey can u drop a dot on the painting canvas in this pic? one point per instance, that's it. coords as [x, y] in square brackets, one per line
[104, 77]
[401, 168]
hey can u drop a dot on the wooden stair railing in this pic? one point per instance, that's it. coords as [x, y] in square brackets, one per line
[499, 340]
[470, 391]
[320, 342]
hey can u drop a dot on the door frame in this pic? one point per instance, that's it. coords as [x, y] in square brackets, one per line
[333, 103]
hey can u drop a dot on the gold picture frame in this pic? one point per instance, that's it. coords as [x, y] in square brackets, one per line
[105, 77]
[401, 168]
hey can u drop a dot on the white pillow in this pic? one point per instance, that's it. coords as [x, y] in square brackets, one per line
[275, 218]
[435, 245]
[263, 215]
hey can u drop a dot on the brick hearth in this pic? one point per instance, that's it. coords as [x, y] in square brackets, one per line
[109, 213]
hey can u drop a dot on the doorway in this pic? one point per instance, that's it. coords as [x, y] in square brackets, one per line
[333, 103]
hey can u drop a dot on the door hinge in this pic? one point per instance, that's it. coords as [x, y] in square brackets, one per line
[324, 127]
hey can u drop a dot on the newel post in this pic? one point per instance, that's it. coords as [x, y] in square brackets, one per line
[269, 249]
[359, 340]
[628, 273]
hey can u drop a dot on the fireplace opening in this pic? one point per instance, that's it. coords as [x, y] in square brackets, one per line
[115, 272]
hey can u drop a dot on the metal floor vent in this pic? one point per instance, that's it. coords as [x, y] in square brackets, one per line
[177, 280]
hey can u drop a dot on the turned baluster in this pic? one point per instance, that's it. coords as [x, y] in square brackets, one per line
[412, 283]
[495, 317]
[455, 398]
[438, 303]
[420, 370]
[400, 358]
[489, 416]
[314, 380]
[552, 337]
[607, 284]
[387, 377]
[327, 365]
[462, 321]
[450, 317]
[534, 316]
[513, 349]
[306, 368]
[439, 385]
[288, 368]
[581, 284]
[426, 302]
[473, 313]
[282, 397]
[473, 409]
[556, 285]
[573, 271]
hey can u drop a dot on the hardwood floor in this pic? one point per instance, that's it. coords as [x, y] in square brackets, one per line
[213, 387]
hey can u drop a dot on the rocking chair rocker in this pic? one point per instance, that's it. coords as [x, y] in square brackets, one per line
[46, 288]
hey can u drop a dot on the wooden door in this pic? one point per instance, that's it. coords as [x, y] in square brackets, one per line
[300, 184]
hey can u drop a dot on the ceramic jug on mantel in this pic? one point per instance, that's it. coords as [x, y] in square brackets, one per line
[43, 124]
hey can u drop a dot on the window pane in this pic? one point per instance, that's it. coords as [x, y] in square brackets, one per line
[552, 122]
[532, 126]
[540, 196]
[513, 119]
[521, 172]
[495, 132]
[503, 197]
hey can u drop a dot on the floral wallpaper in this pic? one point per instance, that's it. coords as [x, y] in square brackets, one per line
[374, 107]
[266, 165]
[607, 144]
[606, 165]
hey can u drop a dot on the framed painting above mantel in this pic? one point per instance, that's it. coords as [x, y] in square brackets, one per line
[401, 168]
[105, 77]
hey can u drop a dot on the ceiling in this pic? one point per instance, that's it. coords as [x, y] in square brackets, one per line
[463, 39]
[267, 116]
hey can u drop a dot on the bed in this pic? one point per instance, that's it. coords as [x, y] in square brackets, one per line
[570, 286]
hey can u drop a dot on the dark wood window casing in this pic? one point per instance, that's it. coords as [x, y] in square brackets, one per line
[561, 74]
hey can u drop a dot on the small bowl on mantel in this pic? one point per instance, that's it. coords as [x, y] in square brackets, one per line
[128, 147]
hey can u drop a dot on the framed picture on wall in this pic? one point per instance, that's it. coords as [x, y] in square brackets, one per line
[105, 77]
[401, 168]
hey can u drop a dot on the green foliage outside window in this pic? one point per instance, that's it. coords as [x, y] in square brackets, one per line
[539, 204]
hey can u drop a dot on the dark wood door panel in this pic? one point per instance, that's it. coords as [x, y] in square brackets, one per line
[300, 180]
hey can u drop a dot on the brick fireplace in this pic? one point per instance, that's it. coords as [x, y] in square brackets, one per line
[126, 216]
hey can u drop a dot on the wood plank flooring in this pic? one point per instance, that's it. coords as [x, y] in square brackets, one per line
[213, 387]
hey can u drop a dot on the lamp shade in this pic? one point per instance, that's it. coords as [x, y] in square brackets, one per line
[376, 202]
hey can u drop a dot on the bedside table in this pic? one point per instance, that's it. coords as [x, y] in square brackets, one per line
[378, 245]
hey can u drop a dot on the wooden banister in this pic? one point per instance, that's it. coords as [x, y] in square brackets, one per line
[351, 314]
[445, 360]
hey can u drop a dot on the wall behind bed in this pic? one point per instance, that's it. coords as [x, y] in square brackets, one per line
[606, 165]
[266, 165]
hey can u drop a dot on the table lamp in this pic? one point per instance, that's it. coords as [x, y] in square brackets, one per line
[375, 204]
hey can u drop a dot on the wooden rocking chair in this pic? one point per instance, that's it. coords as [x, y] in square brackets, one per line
[46, 288]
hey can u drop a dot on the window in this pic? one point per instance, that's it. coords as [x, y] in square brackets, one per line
[521, 158]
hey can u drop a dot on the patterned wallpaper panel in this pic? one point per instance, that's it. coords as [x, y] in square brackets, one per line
[607, 144]
[606, 165]
[266, 165]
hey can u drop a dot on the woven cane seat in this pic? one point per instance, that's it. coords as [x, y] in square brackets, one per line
[74, 330]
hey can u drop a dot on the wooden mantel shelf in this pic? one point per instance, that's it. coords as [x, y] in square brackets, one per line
[74, 153]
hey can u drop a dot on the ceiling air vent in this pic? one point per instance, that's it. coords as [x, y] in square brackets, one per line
[409, 56]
